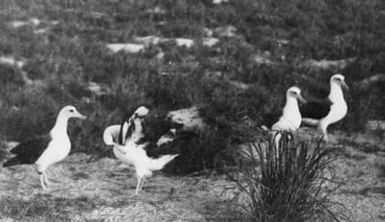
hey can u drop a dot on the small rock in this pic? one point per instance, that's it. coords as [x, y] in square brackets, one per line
[240, 85]
[282, 42]
[148, 40]
[208, 32]
[162, 23]
[34, 21]
[9, 60]
[18, 24]
[160, 55]
[216, 2]
[97, 15]
[263, 59]
[373, 125]
[323, 64]
[157, 10]
[226, 31]
[188, 43]
[98, 88]
[126, 47]
[210, 42]
[40, 31]
[54, 22]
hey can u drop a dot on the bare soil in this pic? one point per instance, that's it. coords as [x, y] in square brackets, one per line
[103, 190]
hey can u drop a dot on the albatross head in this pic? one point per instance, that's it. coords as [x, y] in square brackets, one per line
[130, 124]
[141, 112]
[339, 80]
[295, 92]
[71, 112]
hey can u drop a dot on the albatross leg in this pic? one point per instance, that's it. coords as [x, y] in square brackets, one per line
[141, 183]
[42, 182]
[138, 186]
[45, 179]
[323, 127]
[325, 136]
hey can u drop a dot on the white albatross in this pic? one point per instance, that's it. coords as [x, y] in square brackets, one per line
[327, 111]
[48, 149]
[129, 147]
[291, 117]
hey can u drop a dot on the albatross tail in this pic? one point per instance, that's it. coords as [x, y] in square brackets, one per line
[310, 122]
[157, 164]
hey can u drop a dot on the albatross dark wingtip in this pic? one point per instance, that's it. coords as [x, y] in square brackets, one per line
[13, 161]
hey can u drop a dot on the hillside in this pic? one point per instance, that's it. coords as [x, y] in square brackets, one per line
[236, 57]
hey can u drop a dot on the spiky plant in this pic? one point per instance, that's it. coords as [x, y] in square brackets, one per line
[284, 180]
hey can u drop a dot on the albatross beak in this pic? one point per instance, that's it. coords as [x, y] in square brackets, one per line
[301, 99]
[120, 149]
[344, 85]
[80, 116]
[125, 128]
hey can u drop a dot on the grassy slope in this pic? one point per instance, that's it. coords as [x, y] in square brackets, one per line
[73, 52]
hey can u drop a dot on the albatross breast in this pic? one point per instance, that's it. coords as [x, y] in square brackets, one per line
[57, 150]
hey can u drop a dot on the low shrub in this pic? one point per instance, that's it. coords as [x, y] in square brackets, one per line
[286, 181]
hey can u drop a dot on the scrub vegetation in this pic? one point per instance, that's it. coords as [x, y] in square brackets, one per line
[56, 52]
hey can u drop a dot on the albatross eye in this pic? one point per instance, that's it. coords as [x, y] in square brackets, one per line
[71, 110]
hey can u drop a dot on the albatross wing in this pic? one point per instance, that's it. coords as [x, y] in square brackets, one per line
[29, 151]
[316, 109]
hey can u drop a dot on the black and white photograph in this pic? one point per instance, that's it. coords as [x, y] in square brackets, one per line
[192, 110]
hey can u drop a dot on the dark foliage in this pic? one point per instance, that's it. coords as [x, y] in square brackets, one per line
[73, 52]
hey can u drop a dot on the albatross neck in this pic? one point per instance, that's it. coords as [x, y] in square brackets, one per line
[60, 127]
[138, 132]
[291, 107]
[336, 94]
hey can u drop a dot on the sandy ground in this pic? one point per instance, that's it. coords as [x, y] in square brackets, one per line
[102, 190]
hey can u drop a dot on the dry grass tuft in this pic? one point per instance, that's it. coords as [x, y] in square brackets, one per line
[287, 182]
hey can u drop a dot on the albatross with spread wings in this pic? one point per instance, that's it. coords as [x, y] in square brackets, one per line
[131, 147]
